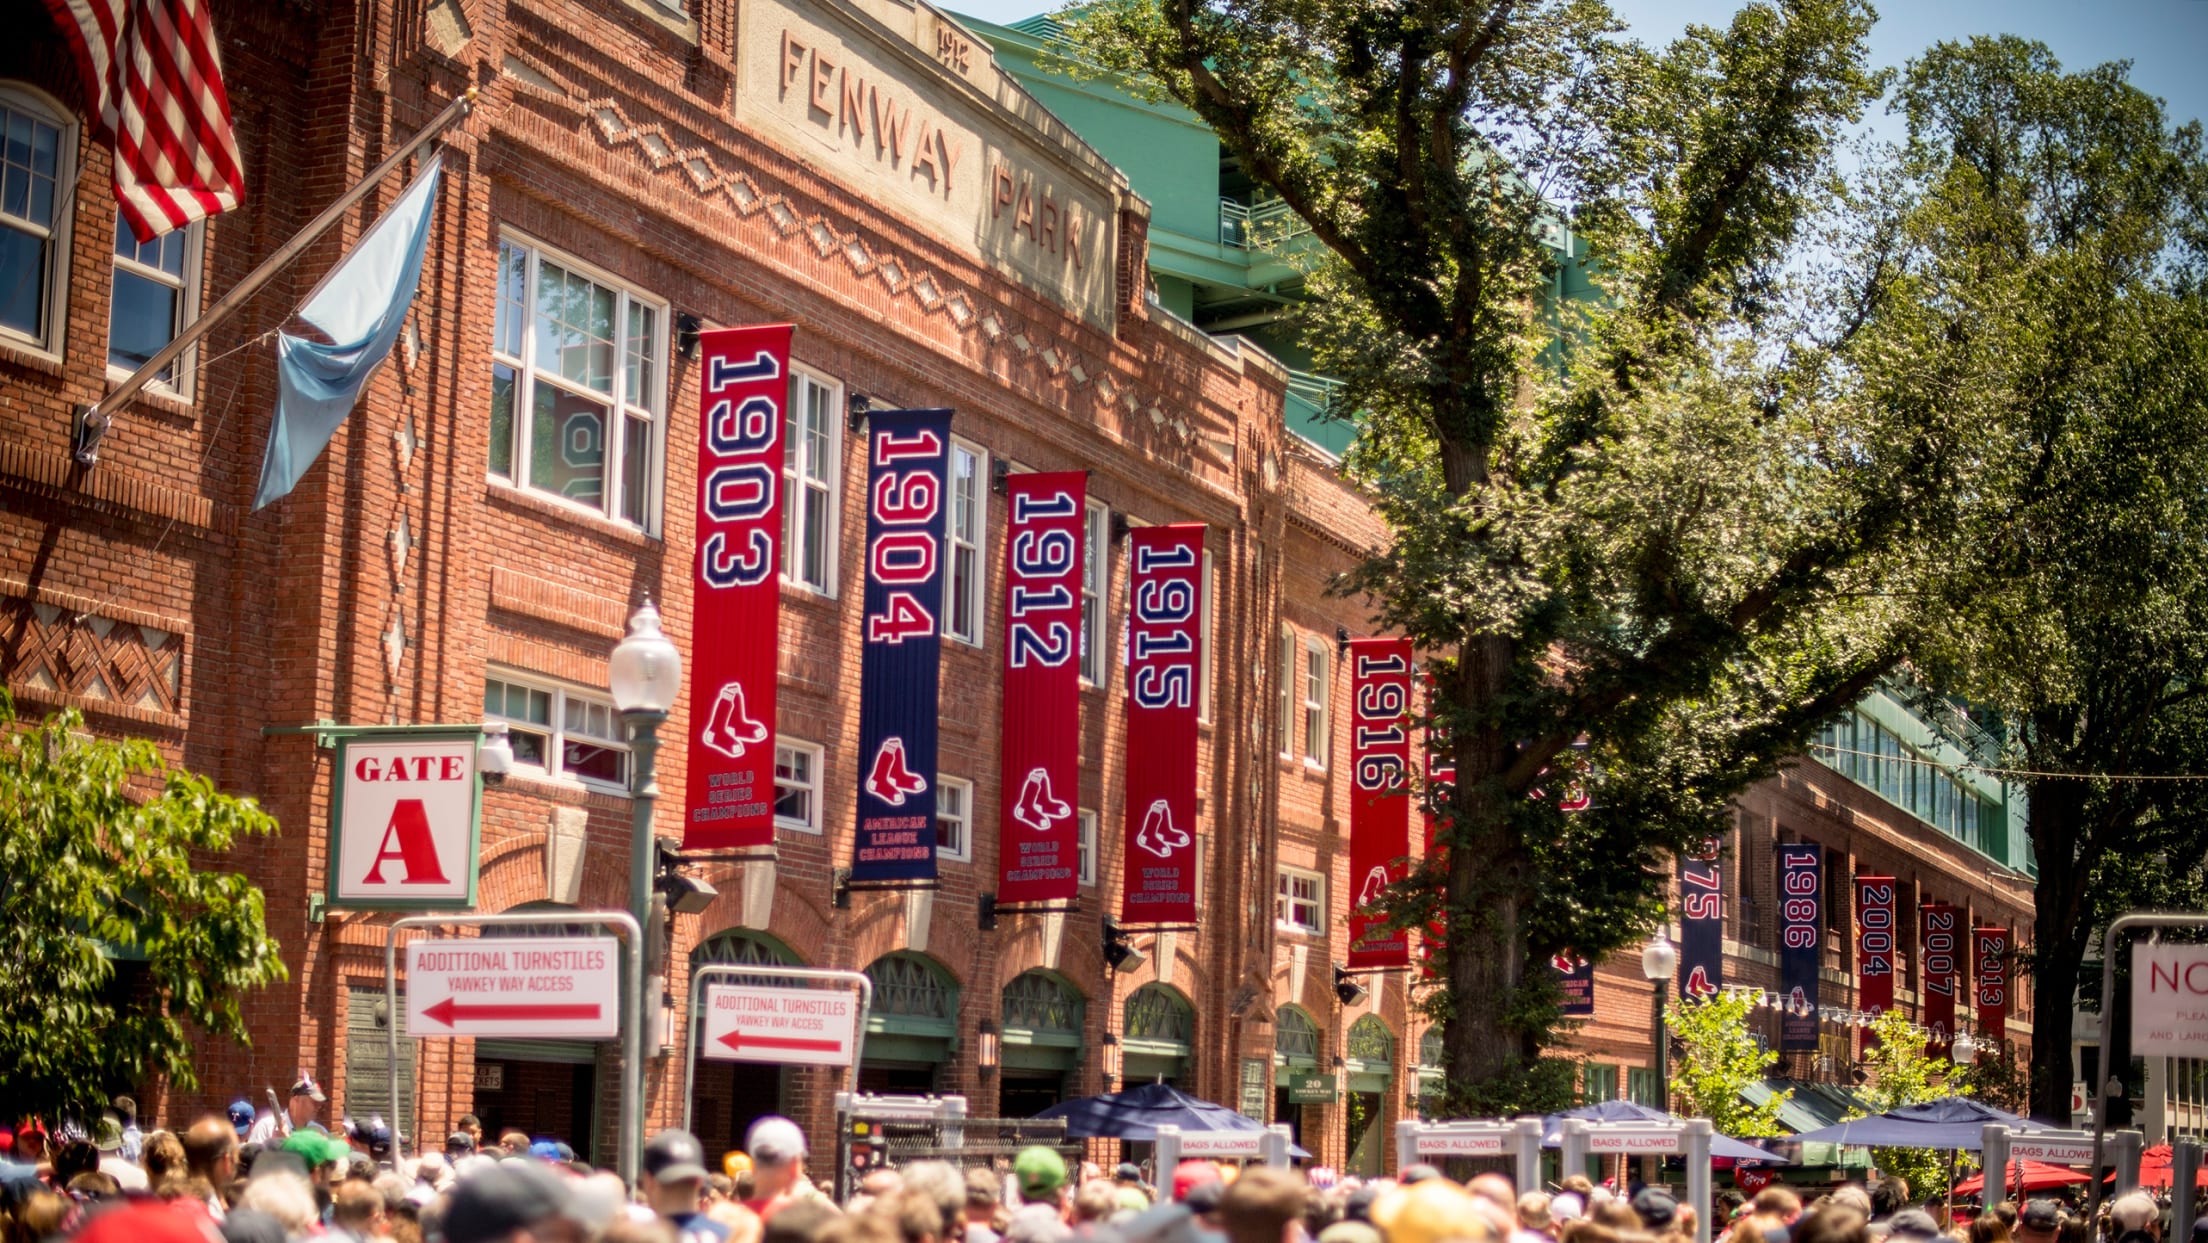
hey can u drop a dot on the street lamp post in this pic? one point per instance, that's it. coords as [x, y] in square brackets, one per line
[645, 672]
[1659, 962]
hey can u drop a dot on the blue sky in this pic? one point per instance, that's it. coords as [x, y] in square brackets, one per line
[2167, 40]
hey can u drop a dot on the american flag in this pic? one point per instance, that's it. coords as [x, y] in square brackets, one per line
[151, 72]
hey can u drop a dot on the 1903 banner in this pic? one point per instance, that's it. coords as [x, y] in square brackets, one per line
[1164, 646]
[908, 454]
[1801, 937]
[1874, 948]
[1702, 921]
[1039, 836]
[1379, 798]
[736, 590]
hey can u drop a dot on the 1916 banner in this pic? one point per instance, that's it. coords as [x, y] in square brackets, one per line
[1039, 836]
[1874, 948]
[1991, 952]
[1702, 921]
[1941, 946]
[736, 592]
[1380, 794]
[901, 634]
[1801, 934]
[1164, 642]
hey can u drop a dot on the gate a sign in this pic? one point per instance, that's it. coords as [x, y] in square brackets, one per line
[405, 830]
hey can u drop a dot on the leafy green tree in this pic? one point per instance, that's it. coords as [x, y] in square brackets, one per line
[1902, 1073]
[1663, 565]
[1721, 1059]
[2069, 209]
[100, 846]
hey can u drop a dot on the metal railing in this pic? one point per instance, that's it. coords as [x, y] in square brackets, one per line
[1247, 226]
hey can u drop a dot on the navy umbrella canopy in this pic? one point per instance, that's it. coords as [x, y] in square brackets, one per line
[1138, 1112]
[1552, 1128]
[1950, 1122]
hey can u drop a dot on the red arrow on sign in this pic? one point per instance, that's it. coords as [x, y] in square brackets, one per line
[738, 1040]
[449, 1012]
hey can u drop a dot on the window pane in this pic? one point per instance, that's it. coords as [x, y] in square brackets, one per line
[502, 420]
[965, 592]
[638, 370]
[529, 747]
[636, 462]
[22, 281]
[513, 280]
[586, 759]
[815, 537]
[567, 445]
[141, 320]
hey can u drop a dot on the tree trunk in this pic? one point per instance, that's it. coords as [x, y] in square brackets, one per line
[2058, 943]
[1487, 884]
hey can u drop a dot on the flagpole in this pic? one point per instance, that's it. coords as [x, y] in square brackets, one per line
[91, 422]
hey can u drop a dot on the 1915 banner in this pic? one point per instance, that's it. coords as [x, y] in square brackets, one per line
[908, 452]
[1874, 948]
[1039, 836]
[1702, 921]
[1942, 949]
[1380, 794]
[736, 592]
[1164, 643]
[1801, 933]
[1991, 952]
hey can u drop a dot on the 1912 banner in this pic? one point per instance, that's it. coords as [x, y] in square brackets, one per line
[1874, 948]
[1164, 645]
[736, 591]
[1380, 795]
[1039, 836]
[1991, 955]
[1702, 921]
[901, 649]
[1801, 936]
[1942, 950]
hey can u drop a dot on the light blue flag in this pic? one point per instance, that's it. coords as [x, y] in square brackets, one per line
[361, 305]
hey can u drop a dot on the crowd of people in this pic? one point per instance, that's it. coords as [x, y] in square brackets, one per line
[281, 1176]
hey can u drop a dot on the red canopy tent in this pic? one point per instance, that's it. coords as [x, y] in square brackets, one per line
[2037, 1176]
[2155, 1172]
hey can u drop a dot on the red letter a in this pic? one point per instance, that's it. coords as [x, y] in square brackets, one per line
[410, 824]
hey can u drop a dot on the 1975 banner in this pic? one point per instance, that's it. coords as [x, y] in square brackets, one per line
[1039, 835]
[1702, 921]
[1380, 794]
[901, 644]
[1164, 643]
[736, 593]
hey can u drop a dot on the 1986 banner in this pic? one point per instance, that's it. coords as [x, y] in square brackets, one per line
[908, 452]
[1380, 794]
[1164, 593]
[1801, 936]
[736, 592]
[1874, 948]
[1039, 836]
[1942, 947]
[1702, 921]
[1991, 952]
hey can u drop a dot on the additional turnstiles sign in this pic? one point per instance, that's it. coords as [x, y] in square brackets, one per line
[755, 1023]
[527, 988]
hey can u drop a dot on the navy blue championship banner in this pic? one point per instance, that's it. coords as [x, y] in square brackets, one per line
[901, 634]
[1801, 939]
[1702, 921]
[1575, 977]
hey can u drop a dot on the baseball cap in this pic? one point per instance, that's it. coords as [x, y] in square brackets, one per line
[1191, 1174]
[1912, 1223]
[674, 1156]
[459, 1141]
[2040, 1215]
[774, 1140]
[1128, 1172]
[1655, 1208]
[491, 1205]
[241, 1116]
[306, 1086]
[1040, 1171]
[147, 1222]
[1205, 1197]
[376, 1134]
[108, 1132]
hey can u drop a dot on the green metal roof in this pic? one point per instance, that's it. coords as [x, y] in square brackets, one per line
[1813, 1105]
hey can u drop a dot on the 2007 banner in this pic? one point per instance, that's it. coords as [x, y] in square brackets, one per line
[1039, 834]
[1164, 648]
[1379, 798]
[1941, 942]
[901, 644]
[736, 593]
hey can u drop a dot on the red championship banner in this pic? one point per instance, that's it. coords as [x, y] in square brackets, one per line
[1039, 836]
[1941, 950]
[1164, 590]
[1379, 794]
[736, 594]
[1874, 948]
[1991, 951]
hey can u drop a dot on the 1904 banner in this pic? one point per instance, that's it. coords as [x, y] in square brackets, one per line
[1801, 937]
[1379, 797]
[1039, 836]
[1164, 646]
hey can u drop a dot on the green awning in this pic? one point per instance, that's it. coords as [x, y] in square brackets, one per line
[1813, 1105]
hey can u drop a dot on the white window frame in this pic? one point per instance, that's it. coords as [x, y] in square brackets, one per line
[973, 588]
[554, 767]
[1085, 822]
[815, 787]
[1318, 730]
[1207, 637]
[187, 310]
[528, 374]
[27, 98]
[1289, 651]
[1285, 901]
[963, 852]
[830, 480]
[1096, 582]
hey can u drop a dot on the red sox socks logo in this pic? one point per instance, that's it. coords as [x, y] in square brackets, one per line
[1698, 983]
[1038, 808]
[729, 728]
[1375, 887]
[1799, 1002]
[888, 779]
[1157, 835]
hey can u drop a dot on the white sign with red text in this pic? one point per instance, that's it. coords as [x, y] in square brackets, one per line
[1447, 1145]
[527, 988]
[1667, 1139]
[1221, 1143]
[2169, 1001]
[798, 1026]
[406, 809]
[2052, 1151]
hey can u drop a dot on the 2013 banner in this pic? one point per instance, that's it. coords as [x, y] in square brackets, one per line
[901, 650]
[1874, 948]
[1942, 950]
[735, 589]
[1164, 646]
[1991, 952]
[1801, 935]
[1039, 835]
[1379, 795]
[1702, 921]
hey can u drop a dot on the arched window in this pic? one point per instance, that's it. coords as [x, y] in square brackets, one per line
[1157, 1012]
[38, 149]
[1042, 1005]
[913, 995]
[1371, 1042]
[743, 947]
[1295, 1038]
